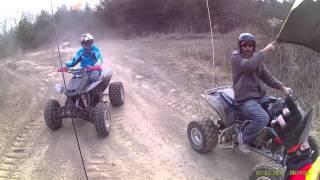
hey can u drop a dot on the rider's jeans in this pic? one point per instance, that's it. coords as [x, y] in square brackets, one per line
[94, 76]
[253, 111]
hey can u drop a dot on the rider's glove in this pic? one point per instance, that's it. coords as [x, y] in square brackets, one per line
[287, 90]
[63, 69]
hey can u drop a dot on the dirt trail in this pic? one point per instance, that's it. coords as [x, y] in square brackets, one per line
[148, 136]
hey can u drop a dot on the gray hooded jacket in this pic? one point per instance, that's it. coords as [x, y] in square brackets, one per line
[248, 74]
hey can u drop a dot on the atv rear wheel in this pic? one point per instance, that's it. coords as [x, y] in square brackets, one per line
[52, 114]
[102, 119]
[116, 93]
[203, 135]
[314, 147]
[267, 171]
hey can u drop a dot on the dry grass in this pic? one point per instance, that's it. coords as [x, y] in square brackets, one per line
[172, 36]
[195, 52]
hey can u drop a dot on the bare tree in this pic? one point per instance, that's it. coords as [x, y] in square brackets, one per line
[4, 27]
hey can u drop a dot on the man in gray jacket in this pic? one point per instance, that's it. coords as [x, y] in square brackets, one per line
[248, 73]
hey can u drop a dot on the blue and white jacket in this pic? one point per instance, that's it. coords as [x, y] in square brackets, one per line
[86, 58]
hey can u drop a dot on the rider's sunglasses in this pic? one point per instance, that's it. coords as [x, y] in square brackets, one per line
[86, 44]
[247, 44]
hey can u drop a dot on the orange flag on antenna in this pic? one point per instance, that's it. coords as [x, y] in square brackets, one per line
[78, 5]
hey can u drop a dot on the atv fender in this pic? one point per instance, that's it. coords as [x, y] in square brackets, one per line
[219, 104]
[104, 80]
[106, 76]
[93, 85]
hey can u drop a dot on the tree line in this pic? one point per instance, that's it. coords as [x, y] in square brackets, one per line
[131, 18]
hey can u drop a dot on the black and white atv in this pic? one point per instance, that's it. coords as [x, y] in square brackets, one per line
[289, 128]
[85, 100]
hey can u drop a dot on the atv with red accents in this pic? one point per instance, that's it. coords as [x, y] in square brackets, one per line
[85, 100]
[286, 135]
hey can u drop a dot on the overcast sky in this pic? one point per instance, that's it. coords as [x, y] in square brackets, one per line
[14, 8]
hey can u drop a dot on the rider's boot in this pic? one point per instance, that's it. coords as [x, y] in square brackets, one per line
[245, 148]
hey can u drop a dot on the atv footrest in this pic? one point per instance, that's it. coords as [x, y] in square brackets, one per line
[226, 146]
[268, 155]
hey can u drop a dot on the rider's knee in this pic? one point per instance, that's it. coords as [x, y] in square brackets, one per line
[94, 76]
[264, 119]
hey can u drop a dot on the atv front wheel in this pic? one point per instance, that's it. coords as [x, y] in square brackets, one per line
[203, 135]
[314, 148]
[52, 114]
[116, 93]
[267, 171]
[102, 119]
[96, 98]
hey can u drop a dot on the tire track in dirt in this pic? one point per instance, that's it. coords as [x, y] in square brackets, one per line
[175, 93]
[186, 105]
[114, 156]
[187, 108]
[19, 150]
[97, 167]
[28, 74]
[96, 164]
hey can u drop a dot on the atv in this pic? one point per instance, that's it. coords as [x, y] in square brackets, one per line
[289, 126]
[85, 100]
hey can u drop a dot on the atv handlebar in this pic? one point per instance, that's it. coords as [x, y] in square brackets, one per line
[292, 96]
[69, 70]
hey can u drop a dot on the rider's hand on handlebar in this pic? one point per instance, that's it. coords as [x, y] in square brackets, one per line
[63, 69]
[92, 68]
[287, 90]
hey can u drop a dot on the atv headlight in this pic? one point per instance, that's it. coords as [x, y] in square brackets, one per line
[59, 88]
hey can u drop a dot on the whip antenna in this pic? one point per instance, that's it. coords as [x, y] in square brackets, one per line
[64, 81]
[57, 42]
[211, 32]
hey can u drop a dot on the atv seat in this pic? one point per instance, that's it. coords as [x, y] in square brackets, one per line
[228, 96]
[105, 78]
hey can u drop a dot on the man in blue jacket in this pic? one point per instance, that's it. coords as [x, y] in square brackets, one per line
[88, 56]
